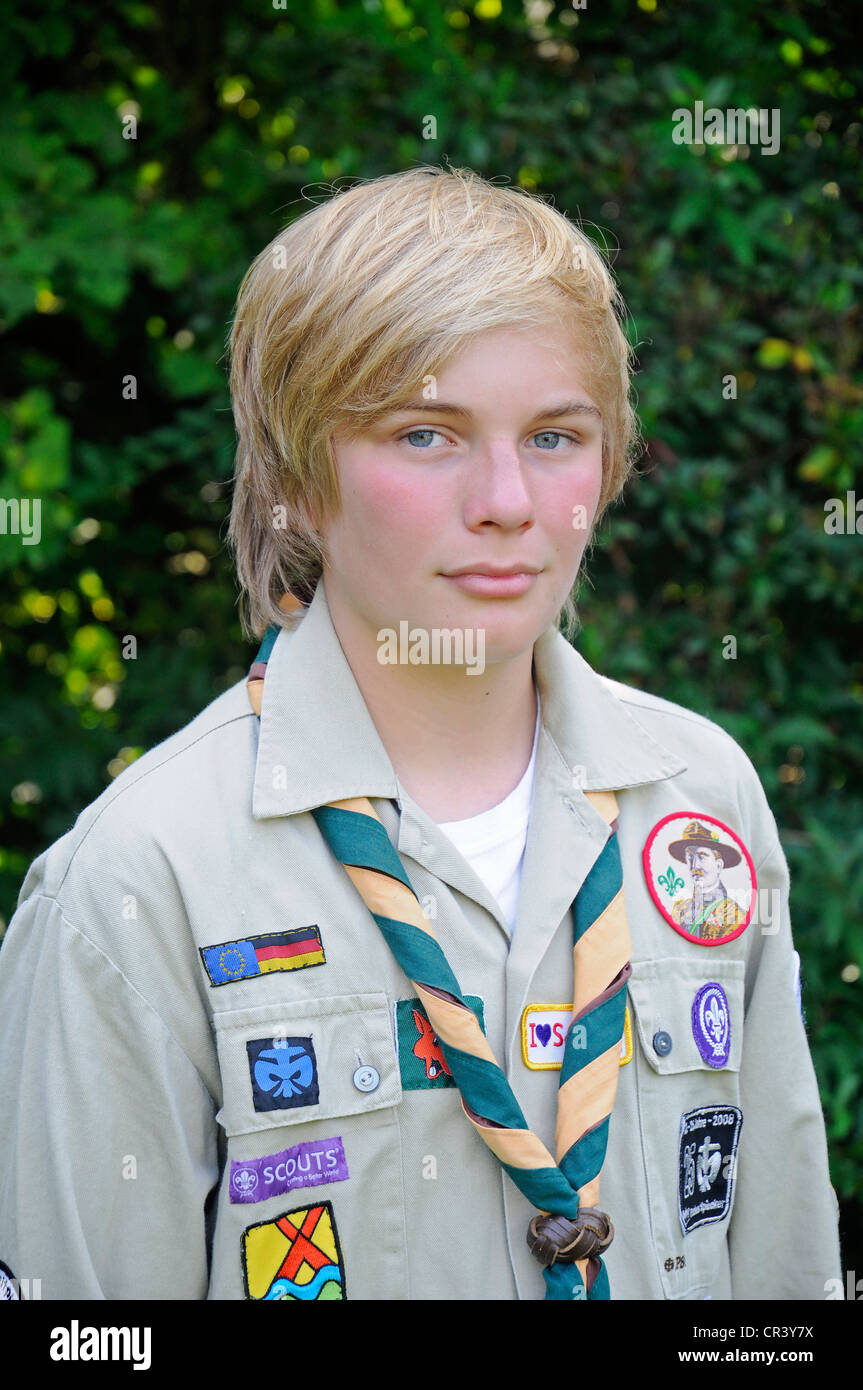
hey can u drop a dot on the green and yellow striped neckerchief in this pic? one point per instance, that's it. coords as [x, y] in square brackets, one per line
[569, 1233]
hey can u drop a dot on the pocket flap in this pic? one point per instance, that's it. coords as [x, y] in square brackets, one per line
[681, 1024]
[313, 1059]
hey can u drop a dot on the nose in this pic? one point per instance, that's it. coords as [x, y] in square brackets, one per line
[497, 492]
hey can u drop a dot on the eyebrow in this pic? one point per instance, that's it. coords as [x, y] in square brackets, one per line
[462, 413]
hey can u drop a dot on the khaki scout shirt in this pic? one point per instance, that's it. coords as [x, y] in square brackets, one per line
[126, 1088]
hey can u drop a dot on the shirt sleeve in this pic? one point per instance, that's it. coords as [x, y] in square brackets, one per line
[783, 1240]
[109, 1148]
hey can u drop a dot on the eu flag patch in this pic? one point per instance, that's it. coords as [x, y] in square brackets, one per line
[260, 955]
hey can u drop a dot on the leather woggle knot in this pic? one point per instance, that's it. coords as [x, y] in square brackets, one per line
[563, 1238]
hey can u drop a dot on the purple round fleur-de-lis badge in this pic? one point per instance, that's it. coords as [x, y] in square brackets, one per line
[711, 1024]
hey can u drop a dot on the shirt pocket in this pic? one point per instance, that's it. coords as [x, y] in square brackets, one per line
[310, 1108]
[310, 1059]
[688, 1023]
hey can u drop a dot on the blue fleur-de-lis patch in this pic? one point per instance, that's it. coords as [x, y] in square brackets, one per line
[711, 1024]
[283, 1072]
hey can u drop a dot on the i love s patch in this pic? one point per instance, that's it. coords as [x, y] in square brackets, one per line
[543, 1036]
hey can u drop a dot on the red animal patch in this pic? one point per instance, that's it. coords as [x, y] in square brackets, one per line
[428, 1048]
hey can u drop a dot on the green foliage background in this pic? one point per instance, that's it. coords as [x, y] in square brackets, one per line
[122, 256]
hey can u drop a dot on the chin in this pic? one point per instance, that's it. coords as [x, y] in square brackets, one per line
[505, 641]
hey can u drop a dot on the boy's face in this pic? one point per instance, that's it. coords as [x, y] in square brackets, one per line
[430, 497]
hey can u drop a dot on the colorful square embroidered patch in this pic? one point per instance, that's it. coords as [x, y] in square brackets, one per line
[708, 1156]
[543, 1036]
[283, 1072]
[261, 955]
[297, 1256]
[421, 1059]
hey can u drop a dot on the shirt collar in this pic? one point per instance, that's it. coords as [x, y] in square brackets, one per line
[318, 742]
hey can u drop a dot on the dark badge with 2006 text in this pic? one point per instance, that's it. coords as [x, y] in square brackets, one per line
[708, 1158]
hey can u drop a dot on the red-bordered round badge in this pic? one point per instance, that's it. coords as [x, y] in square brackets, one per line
[701, 877]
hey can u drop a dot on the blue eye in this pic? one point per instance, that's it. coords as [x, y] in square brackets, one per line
[553, 434]
[408, 435]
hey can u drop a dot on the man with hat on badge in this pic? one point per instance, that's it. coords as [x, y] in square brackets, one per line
[710, 912]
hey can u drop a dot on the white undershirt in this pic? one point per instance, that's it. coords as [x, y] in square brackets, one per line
[493, 842]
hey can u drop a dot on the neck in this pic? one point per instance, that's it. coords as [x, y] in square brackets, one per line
[459, 743]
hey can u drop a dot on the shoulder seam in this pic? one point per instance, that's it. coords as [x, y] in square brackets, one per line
[678, 712]
[163, 763]
[777, 845]
[133, 988]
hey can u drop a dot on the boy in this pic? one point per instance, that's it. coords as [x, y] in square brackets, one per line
[355, 985]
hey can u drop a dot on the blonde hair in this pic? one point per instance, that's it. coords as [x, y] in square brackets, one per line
[341, 317]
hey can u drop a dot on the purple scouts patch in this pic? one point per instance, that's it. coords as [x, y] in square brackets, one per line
[309, 1164]
[711, 1024]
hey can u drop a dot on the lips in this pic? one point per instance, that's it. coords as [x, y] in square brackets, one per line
[493, 581]
[492, 571]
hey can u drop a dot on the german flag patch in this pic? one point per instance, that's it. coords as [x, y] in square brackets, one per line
[260, 955]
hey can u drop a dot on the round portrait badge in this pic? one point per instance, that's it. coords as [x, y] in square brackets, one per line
[701, 877]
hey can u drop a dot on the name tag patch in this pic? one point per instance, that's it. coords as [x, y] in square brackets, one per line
[309, 1164]
[421, 1061]
[543, 1036]
[261, 955]
[708, 1159]
[284, 1073]
[297, 1256]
